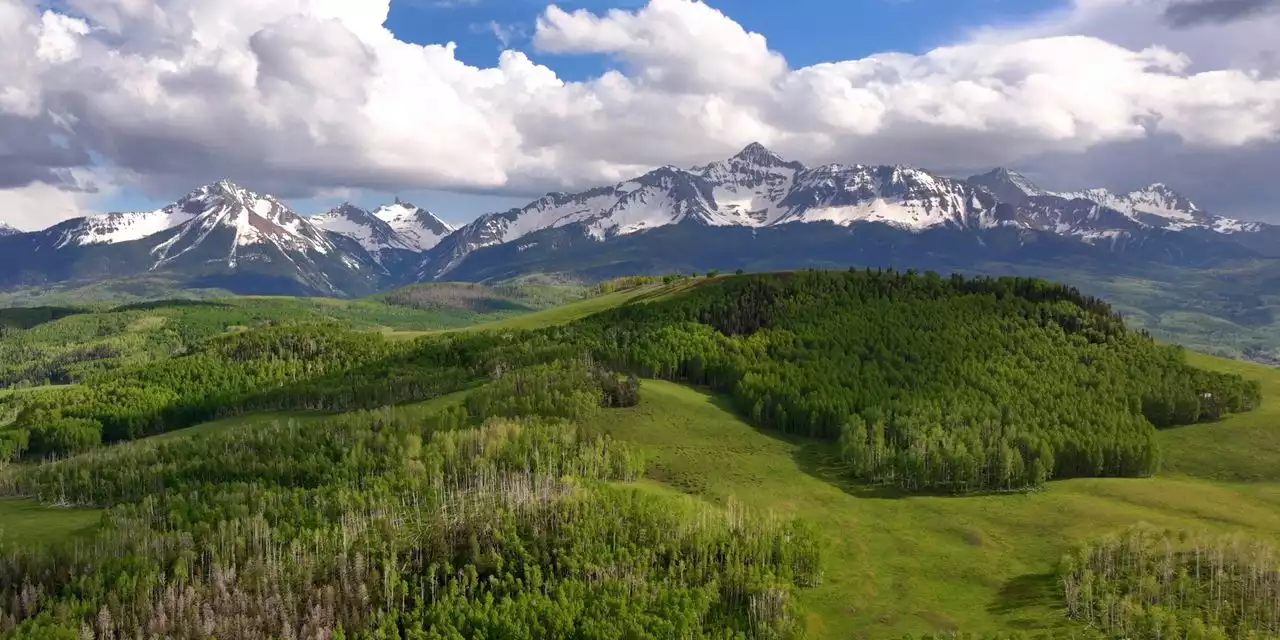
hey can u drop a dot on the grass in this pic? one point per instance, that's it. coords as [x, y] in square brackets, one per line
[579, 309]
[1240, 448]
[915, 564]
[27, 522]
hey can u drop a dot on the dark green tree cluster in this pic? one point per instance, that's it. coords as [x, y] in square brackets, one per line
[929, 383]
[1147, 583]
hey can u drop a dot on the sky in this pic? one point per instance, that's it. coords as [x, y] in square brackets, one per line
[471, 106]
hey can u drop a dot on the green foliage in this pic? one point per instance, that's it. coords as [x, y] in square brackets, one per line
[928, 383]
[1148, 583]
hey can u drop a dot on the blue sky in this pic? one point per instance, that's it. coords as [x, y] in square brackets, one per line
[804, 31]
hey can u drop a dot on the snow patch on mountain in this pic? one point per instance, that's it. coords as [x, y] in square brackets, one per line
[418, 228]
[370, 231]
[902, 197]
[114, 228]
[6, 230]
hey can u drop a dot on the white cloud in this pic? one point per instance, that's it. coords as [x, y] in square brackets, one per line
[39, 205]
[300, 96]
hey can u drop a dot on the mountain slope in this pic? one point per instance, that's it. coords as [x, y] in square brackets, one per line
[6, 230]
[114, 228]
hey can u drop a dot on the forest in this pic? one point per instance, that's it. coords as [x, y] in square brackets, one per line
[450, 486]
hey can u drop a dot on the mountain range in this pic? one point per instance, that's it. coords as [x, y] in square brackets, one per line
[754, 209]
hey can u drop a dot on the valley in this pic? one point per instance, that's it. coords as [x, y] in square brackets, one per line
[594, 449]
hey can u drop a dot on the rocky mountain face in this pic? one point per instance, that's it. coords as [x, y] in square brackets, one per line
[735, 210]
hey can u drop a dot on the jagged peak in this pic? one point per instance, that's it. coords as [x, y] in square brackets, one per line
[757, 153]
[348, 209]
[1010, 179]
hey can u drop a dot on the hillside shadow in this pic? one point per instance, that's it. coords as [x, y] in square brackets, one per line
[814, 457]
[818, 458]
[152, 305]
[1023, 600]
[21, 318]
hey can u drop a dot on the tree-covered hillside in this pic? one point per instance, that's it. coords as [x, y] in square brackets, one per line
[928, 383]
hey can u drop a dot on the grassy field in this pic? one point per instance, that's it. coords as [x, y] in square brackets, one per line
[914, 564]
[26, 521]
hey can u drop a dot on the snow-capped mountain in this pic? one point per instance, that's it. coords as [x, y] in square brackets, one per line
[247, 221]
[373, 233]
[758, 189]
[726, 211]
[418, 228]
[1160, 206]
[1008, 186]
[754, 188]
[220, 235]
[6, 230]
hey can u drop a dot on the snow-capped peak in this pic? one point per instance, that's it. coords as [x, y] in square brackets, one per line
[7, 230]
[757, 154]
[254, 219]
[372, 232]
[1007, 185]
[417, 227]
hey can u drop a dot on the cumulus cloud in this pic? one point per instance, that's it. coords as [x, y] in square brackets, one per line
[302, 96]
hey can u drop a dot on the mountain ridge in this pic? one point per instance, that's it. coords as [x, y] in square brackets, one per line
[757, 188]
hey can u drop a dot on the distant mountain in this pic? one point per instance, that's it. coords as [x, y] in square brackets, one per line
[1008, 186]
[218, 236]
[1156, 206]
[6, 230]
[419, 228]
[758, 189]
